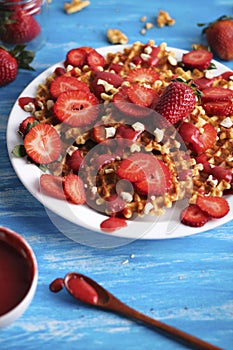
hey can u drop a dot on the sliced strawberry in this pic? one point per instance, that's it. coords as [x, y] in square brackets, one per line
[227, 75]
[124, 105]
[26, 125]
[59, 71]
[75, 160]
[116, 67]
[66, 83]
[215, 207]
[112, 224]
[141, 95]
[208, 137]
[23, 101]
[216, 94]
[42, 143]
[203, 82]
[158, 183]
[95, 59]
[76, 57]
[115, 205]
[74, 189]
[137, 167]
[199, 59]
[76, 108]
[221, 173]
[193, 216]
[218, 108]
[104, 159]
[151, 55]
[191, 136]
[202, 158]
[52, 185]
[100, 133]
[103, 82]
[127, 132]
[142, 75]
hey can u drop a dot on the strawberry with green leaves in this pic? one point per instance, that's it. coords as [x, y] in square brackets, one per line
[176, 102]
[11, 61]
[219, 36]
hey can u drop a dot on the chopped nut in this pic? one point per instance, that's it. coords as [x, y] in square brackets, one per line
[149, 25]
[164, 19]
[143, 31]
[115, 36]
[143, 19]
[75, 6]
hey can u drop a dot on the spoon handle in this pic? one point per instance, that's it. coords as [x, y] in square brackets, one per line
[186, 339]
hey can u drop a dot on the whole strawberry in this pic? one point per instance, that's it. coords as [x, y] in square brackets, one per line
[219, 36]
[176, 102]
[11, 61]
[19, 28]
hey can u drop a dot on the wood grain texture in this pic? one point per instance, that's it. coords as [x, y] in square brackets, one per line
[185, 282]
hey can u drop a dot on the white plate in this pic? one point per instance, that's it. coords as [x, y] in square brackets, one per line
[166, 226]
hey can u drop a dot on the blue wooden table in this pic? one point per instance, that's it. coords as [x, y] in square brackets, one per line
[185, 282]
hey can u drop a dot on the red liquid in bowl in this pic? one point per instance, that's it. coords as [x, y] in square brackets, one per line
[15, 277]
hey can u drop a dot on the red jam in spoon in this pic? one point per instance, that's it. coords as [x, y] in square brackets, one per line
[77, 287]
[14, 277]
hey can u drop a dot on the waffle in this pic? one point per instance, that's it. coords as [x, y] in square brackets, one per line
[101, 184]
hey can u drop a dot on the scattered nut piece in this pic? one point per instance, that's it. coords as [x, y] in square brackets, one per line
[75, 6]
[143, 31]
[149, 25]
[143, 19]
[164, 19]
[115, 36]
[199, 46]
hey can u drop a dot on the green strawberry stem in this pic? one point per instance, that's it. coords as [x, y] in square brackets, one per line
[23, 57]
[222, 18]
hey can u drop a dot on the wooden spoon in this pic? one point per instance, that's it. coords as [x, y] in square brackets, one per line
[88, 291]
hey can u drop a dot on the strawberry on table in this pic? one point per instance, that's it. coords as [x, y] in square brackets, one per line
[193, 216]
[199, 59]
[215, 207]
[74, 189]
[11, 61]
[19, 28]
[76, 107]
[176, 102]
[42, 144]
[219, 36]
